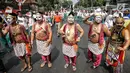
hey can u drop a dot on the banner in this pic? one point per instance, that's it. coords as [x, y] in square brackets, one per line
[120, 7]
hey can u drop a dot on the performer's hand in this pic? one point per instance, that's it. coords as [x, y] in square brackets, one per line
[48, 42]
[100, 46]
[120, 48]
[63, 36]
[31, 43]
[78, 39]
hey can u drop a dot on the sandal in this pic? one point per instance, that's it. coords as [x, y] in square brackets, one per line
[66, 65]
[94, 67]
[23, 69]
[49, 65]
[74, 68]
[43, 64]
[30, 69]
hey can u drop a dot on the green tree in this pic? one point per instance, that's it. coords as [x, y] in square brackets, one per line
[99, 2]
[47, 4]
[67, 4]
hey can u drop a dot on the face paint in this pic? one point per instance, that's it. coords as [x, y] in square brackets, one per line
[9, 19]
[70, 19]
[38, 17]
[98, 19]
[119, 22]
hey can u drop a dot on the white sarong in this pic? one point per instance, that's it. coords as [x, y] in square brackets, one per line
[19, 49]
[68, 50]
[94, 48]
[42, 49]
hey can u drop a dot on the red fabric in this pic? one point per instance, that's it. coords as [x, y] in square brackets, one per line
[101, 35]
[73, 59]
[46, 58]
[24, 36]
[57, 18]
[97, 60]
[47, 32]
[120, 59]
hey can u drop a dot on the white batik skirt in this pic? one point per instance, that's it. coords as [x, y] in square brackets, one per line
[20, 49]
[68, 50]
[94, 48]
[42, 48]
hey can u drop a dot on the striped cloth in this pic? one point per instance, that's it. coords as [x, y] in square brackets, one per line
[111, 53]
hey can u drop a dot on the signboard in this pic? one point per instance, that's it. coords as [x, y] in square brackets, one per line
[121, 6]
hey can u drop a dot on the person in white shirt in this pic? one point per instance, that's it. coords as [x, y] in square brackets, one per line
[109, 21]
[21, 20]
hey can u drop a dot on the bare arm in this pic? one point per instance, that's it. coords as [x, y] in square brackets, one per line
[50, 33]
[80, 30]
[5, 30]
[127, 39]
[61, 30]
[106, 30]
[32, 33]
[86, 21]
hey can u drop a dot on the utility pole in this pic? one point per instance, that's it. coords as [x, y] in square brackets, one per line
[91, 4]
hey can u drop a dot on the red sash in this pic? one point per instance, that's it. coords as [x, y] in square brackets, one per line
[47, 32]
[23, 34]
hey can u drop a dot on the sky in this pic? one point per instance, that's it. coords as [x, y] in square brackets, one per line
[75, 1]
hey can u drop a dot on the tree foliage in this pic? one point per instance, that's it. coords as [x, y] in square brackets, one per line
[47, 4]
[87, 3]
[66, 4]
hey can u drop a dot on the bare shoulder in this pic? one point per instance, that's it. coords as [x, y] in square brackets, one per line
[78, 25]
[125, 31]
[7, 27]
[104, 26]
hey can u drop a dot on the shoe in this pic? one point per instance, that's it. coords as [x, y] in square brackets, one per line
[49, 65]
[66, 65]
[74, 68]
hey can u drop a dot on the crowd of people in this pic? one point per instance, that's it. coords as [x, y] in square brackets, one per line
[109, 31]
